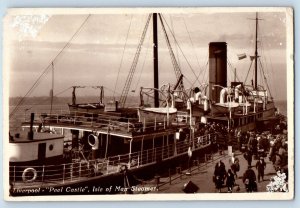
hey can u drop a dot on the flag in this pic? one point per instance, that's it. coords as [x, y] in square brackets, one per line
[241, 56]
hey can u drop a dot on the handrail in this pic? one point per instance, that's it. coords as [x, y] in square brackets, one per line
[74, 171]
[114, 122]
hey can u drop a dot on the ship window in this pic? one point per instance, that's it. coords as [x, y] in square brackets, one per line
[51, 147]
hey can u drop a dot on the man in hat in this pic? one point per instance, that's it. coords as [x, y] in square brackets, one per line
[249, 179]
[260, 166]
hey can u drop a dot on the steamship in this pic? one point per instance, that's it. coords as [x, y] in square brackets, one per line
[72, 152]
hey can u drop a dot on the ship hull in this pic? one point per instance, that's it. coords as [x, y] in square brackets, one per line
[114, 183]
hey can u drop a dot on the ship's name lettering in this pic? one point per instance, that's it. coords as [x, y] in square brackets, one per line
[55, 190]
[77, 189]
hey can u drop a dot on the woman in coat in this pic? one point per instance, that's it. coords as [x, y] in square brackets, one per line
[230, 181]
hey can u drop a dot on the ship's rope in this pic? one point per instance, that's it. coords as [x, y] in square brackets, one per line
[193, 47]
[176, 47]
[52, 88]
[267, 68]
[46, 100]
[260, 74]
[232, 69]
[205, 77]
[45, 71]
[120, 66]
[134, 64]
[200, 73]
[190, 66]
[140, 75]
[248, 71]
[177, 69]
[266, 80]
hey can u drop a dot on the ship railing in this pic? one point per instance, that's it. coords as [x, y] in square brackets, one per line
[155, 154]
[56, 174]
[79, 169]
[106, 122]
[113, 122]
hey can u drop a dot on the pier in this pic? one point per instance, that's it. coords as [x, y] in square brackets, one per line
[201, 174]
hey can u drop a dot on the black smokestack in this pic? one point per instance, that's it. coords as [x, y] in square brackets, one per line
[217, 69]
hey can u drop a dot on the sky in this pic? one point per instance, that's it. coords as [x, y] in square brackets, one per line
[102, 51]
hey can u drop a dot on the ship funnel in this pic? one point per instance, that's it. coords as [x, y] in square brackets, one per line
[217, 69]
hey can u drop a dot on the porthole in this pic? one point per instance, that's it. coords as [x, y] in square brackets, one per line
[51, 147]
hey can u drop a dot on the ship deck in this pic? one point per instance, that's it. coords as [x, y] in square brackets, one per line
[113, 125]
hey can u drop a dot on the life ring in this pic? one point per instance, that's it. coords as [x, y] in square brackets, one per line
[32, 171]
[93, 141]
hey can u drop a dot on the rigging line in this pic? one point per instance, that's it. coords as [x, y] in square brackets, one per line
[264, 57]
[248, 71]
[172, 55]
[122, 57]
[200, 72]
[180, 48]
[143, 64]
[191, 42]
[46, 99]
[52, 88]
[178, 60]
[261, 81]
[47, 68]
[231, 68]
[61, 92]
[253, 72]
[205, 70]
[134, 64]
[188, 81]
[266, 80]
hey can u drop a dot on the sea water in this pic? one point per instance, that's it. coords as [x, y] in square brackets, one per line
[40, 106]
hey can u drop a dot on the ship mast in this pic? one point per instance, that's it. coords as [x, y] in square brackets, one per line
[256, 54]
[155, 61]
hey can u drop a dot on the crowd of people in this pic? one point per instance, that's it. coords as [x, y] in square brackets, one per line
[222, 177]
[258, 147]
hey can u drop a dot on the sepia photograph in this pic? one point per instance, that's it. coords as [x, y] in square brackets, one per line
[148, 104]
